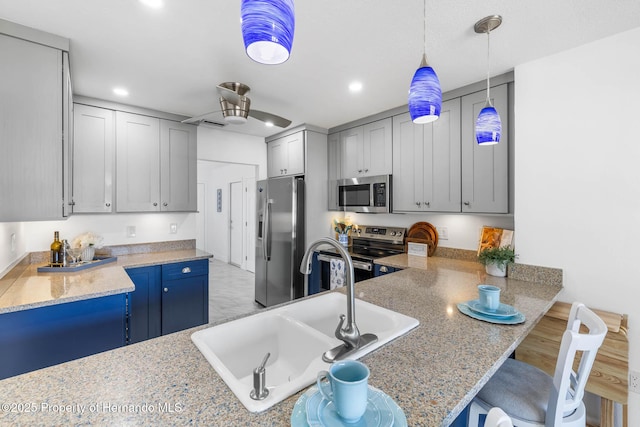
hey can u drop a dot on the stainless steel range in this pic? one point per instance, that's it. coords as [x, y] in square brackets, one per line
[368, 244]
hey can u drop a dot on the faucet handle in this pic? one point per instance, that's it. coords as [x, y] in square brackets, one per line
[339, 332]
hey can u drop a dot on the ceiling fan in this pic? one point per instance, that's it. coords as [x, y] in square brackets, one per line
[235, 107]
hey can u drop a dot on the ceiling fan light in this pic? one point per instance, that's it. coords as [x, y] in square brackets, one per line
[235, 120]
[267, 29]
[425, 95]
[488, 126]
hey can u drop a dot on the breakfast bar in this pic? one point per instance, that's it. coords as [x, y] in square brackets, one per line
[432, 372]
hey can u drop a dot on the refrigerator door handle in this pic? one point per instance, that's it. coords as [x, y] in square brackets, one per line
[266, 230]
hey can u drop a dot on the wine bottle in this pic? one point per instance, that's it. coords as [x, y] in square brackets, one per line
[56, 247]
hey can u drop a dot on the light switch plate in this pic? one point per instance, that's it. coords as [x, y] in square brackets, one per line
[173, 228]
[634, 381]
[443, 233]
[131, 231]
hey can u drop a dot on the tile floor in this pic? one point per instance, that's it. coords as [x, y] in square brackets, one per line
[231, 291]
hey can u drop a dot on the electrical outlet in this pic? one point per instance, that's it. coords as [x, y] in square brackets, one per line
[131, 231]
[443, 233]
[173, 228]
[13, 242]
[634, 381]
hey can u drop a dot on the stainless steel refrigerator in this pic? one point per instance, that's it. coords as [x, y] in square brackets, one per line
[280, 240]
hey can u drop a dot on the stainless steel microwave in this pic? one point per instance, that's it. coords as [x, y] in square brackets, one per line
[370, 194]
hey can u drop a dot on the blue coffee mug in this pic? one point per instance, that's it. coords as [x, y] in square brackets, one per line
[347, 388]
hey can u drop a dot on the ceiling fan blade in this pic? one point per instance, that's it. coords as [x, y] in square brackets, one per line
[232, 91]
[268, 117]
[199, 118]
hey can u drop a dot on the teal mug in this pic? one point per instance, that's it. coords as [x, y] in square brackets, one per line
[489, 297]
[347, 388]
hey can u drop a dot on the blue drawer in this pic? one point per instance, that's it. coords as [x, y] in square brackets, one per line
[183, 270]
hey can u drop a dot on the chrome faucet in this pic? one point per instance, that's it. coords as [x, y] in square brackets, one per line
[348, 333]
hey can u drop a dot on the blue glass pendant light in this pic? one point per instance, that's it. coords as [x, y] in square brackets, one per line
[488, 123]
[267, 29]
[425, 95]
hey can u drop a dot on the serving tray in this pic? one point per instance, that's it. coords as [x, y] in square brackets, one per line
[82, 265]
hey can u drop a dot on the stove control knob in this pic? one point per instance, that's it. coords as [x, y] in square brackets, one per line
[393, 233]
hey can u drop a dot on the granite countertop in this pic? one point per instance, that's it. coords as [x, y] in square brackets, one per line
[32, 289]
[404, 261]
[432, 372]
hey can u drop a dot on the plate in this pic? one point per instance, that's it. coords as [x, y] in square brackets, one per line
[299, 417]
[503, 310]
[513, 320]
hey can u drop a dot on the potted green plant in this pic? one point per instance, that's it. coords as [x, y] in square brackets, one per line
[496, 260]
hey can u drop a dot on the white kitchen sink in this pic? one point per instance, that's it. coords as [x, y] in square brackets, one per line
[296, 335]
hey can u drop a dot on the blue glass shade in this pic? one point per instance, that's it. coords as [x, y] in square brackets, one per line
[267, 29]
[488, 126]
[425, 95]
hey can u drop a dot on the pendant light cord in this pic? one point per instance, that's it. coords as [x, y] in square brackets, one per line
[488, 66]
[425, 26]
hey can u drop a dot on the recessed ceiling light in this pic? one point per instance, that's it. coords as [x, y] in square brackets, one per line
[154, 4]
[355, 87]
[120, 91]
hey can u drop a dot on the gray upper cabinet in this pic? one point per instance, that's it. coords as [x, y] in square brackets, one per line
[137, 163]
[155, 164]
[367, 150]
[93, 159]
[485, 169]
[178, 162]
[334, 168]
[426, 162]
[34, 90]
[285, 155]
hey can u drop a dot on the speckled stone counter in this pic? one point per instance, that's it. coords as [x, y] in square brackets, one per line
[32, 289]
[432, 372]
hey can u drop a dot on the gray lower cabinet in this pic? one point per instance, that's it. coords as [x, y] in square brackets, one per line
[426, 162]
[33, 110]
[485, 169]
[93, 159]
[155, 164]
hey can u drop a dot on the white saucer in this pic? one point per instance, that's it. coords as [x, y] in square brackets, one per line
[503, 310]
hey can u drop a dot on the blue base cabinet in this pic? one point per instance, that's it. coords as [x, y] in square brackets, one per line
[168, 298]
[381, 270]
[45, 336]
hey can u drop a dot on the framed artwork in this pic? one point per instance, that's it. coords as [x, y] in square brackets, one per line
[493, 237]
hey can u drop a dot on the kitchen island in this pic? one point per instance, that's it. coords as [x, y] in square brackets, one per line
[432, 372]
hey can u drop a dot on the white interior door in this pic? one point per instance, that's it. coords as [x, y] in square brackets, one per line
[201, 215]
[236, 224]
[250, 223]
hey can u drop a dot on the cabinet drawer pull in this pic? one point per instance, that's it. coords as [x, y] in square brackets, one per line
[166, 289]
[186, 270]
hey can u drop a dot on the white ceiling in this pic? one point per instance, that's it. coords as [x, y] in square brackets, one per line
[172, 59]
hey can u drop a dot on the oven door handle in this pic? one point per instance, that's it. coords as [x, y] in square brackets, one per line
[356, 264]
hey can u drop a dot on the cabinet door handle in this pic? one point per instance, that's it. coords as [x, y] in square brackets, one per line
[285, 171]
[359, 170]
[107, 205]
[427, 204]
[155, 204]
[366, 170]
[467, 203]
[186, 270]
[165, 204]
[281, 171]
[166, 289]
[384, 269]
[418, 204]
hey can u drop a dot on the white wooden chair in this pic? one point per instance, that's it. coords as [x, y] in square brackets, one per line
[530, 396]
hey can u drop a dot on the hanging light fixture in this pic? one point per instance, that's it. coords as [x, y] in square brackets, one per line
[267, 29]
[488, 124]
[425, 95]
